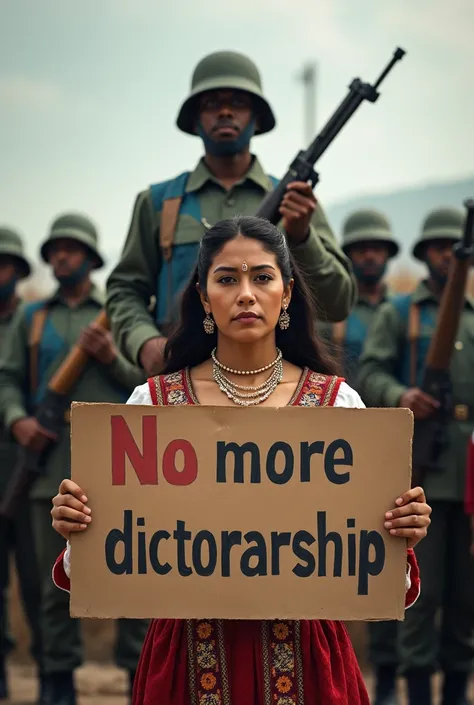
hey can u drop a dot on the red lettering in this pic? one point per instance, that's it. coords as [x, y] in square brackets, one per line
[189, 472]
[124, 446]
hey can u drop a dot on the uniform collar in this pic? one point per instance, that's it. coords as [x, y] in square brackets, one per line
[95, 295]
[387, 294]
[201, 175]
[422, 293]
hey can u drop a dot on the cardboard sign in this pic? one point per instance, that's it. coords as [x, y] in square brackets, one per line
[220, 512]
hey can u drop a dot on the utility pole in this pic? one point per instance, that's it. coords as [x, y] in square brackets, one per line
[308, 76]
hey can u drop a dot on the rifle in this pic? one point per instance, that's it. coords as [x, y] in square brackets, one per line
[302, 167]
[430, 436]
[50, 415]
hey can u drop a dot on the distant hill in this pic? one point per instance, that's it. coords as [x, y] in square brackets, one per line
[406, 208]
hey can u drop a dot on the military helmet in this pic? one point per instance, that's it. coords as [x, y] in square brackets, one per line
[12, 245]
[225, 70]
[440, 224]
[368, 225]
[74, 226]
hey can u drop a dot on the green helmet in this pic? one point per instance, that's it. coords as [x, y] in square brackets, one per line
[74, 226]
[440, 224]
[368, 226]
[11, 244]
[225, 70]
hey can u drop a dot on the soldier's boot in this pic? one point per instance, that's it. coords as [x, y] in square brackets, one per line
[131, 679]
[61, 689]
[3, 680]
[419, 687]
[386, 686]
[455, 688]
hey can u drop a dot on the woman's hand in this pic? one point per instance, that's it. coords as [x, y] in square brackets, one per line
[410, 518]
[69, 511]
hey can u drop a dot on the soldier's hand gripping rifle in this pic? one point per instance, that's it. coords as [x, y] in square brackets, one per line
[430, 437]
[302, 167]
[50, 415]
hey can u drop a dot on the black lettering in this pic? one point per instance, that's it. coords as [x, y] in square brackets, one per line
[199, 567]
[141, 547]
[181, 535]
[303, 554]
[279, 539]
[280, 478]
[351, 553]
[330, 461]
[259, 552]
[366, 566]
[239, 451]
[323, 540]
[160, 568]
[307, 451]
[229, 539]
[115, 536]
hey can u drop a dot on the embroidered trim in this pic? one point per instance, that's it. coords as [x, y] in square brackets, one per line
[208, 683]
[155, 390]
[173, 389]
[331, 391]
[283, 676]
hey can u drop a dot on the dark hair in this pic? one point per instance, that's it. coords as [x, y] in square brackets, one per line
[189, 345]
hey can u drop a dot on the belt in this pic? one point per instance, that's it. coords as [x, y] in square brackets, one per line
[463, 412]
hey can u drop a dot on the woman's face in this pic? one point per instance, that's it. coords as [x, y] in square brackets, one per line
[245, 291]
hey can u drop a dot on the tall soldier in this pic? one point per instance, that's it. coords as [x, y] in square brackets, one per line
[40, 339]
[390, 373]
[226, 108]
[16, 535]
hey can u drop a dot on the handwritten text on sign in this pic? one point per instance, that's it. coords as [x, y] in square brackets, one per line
[203, 512]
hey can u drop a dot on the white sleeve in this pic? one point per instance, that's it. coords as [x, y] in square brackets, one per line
[67, 560]
[141, 396]
[348, 397]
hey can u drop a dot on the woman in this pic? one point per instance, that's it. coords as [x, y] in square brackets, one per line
[246, 337]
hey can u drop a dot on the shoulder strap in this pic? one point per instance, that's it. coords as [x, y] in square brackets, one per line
[167, 198]
[413, 335]
[36, 333]
[338, 337]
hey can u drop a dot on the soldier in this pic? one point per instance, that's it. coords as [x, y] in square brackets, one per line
[16, 536]
[368, 242]
[389, 375]
[226, 108]
[40, 339]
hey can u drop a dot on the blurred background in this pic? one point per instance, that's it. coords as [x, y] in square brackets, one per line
[89, 94]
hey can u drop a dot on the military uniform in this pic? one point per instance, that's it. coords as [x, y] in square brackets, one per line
[170, 218]
[16, 535]
[346, 341]
[98, 383]
[392, 362]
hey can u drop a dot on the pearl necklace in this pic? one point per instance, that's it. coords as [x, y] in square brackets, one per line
[246, 372]
[248, 395]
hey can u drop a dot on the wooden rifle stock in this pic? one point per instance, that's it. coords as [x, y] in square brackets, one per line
[50, 415]
[430, 437]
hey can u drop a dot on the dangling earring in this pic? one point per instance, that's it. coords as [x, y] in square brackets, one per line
[208, 324]
[284, 319]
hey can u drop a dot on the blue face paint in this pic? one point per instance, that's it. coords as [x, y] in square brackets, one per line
[76, 276]
[372, 277]
[228, 148]
[8, 289]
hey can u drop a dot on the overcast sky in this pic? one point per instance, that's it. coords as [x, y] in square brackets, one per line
[89, 94]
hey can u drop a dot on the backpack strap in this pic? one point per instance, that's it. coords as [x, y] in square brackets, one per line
[38, 322]
[338, 337]
[413, 336]
[167, 198]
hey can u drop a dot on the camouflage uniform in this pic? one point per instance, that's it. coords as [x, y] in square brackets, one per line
[161, 249]
[387, 369]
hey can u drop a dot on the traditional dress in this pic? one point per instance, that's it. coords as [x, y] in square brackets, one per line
[243, 662]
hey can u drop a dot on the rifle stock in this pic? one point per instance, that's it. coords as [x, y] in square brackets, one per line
[430, 438]
[50, 415]
[302, 167]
